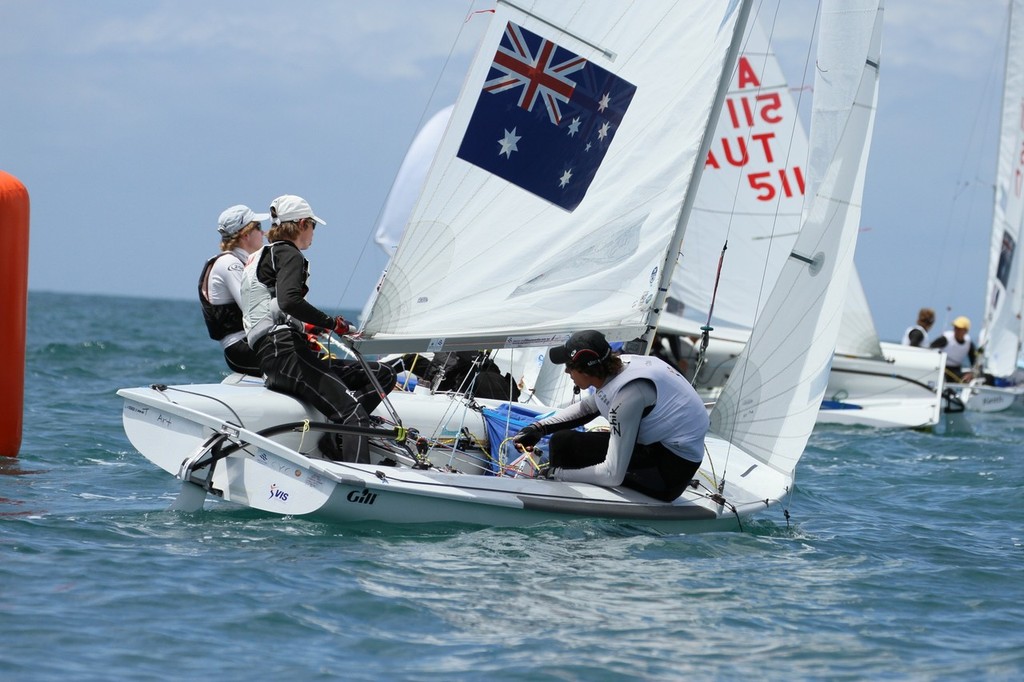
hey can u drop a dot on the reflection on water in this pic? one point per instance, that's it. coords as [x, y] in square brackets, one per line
[10, 466]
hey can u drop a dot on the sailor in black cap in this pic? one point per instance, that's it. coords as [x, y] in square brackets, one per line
[657, 421]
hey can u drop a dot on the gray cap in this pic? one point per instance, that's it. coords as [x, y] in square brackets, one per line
[232, 220]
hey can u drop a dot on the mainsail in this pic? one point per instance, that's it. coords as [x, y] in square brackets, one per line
[492, 259]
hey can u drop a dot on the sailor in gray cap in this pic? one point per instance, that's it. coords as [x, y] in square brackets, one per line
[241, 234]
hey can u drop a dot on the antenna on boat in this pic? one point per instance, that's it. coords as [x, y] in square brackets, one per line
[706, 329]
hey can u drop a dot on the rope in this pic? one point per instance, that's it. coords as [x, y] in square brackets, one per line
[409, 371]
[164, 387]
[516, 466]
[713, 480]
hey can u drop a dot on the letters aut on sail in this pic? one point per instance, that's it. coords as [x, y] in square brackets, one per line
[545, 118]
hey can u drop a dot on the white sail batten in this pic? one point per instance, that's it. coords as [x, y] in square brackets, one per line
[486, 261]
[1004, 302]
[762, 410]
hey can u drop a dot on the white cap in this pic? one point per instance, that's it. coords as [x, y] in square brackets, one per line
[290, 207]
[232, 220]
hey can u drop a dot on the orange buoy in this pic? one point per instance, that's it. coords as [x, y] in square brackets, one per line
[13, 310]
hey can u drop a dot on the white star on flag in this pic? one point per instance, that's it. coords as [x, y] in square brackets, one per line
[508, 143]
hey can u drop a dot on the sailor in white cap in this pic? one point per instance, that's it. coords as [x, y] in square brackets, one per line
[274, 286]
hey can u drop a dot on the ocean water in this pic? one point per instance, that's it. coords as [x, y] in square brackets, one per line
[902, 558]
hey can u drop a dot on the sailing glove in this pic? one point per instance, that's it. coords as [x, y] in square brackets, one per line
[529, 435]
[341, 326]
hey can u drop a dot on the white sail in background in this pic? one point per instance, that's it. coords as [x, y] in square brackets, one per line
[1001, 335]
[770, 403]
[751, 193]
[409, 181]
[484, 261]
[858, 335]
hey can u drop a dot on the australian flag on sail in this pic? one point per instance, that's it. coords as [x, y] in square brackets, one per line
[545, 118]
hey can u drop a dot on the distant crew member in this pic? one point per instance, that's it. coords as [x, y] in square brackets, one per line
[958, 347]
[918, 333]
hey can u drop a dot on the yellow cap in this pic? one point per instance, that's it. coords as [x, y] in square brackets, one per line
[962, 322]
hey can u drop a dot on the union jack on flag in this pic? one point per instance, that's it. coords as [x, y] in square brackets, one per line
[553, 151]
[536, 72]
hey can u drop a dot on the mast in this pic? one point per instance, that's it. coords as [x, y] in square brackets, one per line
[672, 253]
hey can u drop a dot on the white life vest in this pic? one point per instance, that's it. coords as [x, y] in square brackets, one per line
[678, 420]
[260, 312]
[956, 352]
[906, 335]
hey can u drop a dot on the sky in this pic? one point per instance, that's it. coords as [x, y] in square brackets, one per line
[134, 123]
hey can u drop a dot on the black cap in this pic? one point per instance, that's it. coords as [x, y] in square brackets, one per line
[587, 348]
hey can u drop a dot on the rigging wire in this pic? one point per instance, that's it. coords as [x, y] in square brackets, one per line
[979, 131]
[470, 13]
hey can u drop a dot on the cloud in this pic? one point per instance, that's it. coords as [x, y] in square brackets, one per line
[345, 37]
[950, 37]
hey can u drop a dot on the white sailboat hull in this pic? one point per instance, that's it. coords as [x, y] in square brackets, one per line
[441, 417]
[171, 426]
[903, 390]
[978, 397]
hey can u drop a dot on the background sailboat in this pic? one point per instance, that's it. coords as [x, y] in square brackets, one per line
[1003, 328]
[752, 197]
